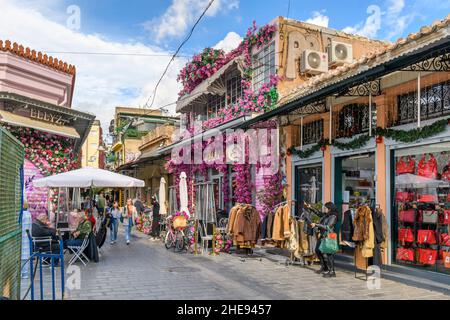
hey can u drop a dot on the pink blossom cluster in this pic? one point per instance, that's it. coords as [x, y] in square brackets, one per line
[50, 153]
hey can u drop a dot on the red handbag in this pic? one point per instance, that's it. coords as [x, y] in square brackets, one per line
[405, 254]
[444, 217]
[407, 166]
[445, 239]
[427, 198]
[405, 235]
[426, 237]
[404, 196]
[427, 256]
[428, 168]
[407, 215]
[446, 259]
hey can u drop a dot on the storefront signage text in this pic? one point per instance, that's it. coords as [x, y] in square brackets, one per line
[48, 117]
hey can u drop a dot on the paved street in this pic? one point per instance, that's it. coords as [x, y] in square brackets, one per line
[146, 270]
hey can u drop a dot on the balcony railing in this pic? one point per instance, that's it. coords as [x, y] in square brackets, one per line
[161, 131]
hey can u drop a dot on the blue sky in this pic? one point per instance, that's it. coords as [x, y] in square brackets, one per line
[158, 26]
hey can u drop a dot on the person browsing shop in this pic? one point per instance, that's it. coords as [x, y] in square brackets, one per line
[327, 221]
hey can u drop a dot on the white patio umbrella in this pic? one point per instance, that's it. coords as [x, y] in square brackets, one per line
[87, 178]
[162, 196]
[184, 193]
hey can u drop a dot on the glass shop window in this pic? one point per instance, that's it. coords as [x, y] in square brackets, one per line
[422, 207]
[215, 103]
[234, 89]
[309, 186]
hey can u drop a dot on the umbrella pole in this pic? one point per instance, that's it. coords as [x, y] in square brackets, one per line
[195, 219]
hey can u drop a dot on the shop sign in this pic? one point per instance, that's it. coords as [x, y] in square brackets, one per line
[48, 117]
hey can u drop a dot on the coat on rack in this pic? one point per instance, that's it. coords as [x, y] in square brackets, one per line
[347, 228]
[362, 221]
[281, 230]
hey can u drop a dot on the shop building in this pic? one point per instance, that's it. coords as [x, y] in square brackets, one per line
[224, 91]
[359, 135]
[36, 93]
[93, 150]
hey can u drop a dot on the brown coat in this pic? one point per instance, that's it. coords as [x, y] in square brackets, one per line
[363, 218]
[232, 219]
[247, 225]
[281, 230]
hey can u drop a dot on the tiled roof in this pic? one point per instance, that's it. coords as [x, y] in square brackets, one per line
[38, 57]
[373, 59]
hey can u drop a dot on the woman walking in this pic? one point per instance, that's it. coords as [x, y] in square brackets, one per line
[129, 215]
[155, 220]
[327, 221]
[115, 215]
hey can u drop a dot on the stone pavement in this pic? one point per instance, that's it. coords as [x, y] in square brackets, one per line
[146, 270]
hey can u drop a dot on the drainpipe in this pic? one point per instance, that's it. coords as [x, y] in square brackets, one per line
[418, 100]
[301, 133]
[370, 113]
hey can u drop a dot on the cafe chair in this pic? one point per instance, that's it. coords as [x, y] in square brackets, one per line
[41, 245]
[205, 237]
[78, 252]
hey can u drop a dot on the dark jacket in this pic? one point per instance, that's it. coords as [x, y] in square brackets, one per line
[328, 220]
[39, 229]
[347, 226]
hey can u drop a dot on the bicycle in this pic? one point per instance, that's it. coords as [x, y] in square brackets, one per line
[175, 238]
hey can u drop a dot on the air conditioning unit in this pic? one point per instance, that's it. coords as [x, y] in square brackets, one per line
[340, 53]
[314, 62]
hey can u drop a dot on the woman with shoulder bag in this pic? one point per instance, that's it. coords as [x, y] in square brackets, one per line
[115, 216]
[326, 223]
[129, 215]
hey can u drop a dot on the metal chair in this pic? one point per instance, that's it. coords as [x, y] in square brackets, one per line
[205, 237]
[41, 245]
[78, 252]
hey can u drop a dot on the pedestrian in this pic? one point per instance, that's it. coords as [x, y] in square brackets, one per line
[26, 225]
[327, 221]
[116, 213]
[138, 204]
[129, 215]
[155, 220]
[92, 220]
[101, 204]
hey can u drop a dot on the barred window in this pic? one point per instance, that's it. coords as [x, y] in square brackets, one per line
[263, 65]
[215, 103]
[312, 132]
[354, 119]
[234, 89]
[434, 103]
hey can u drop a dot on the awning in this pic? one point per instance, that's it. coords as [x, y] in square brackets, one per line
[212, 85]
[16, 120]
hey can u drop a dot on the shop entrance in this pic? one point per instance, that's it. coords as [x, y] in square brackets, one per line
[354, 185]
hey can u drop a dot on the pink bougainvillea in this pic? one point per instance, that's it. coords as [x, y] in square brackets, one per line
[50, 153]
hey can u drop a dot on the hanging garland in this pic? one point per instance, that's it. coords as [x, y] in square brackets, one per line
[406, 136]
[414, 134]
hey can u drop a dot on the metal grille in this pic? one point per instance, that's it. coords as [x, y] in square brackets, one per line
[11, 163]
[313, 132]
[354, 119]
[234, 89]
[434, 103]
[215, 103]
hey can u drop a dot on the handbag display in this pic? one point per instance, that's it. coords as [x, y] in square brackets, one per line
[404, 196]
[444, 217]
[427, 256]
[405, 254]
[427, 198]
[428, 168]
[407, 215]
[329, 244]
[445, 239]
[429, 216]
[446, 259]
[407, 166]
[426, 237]
[446, 173]
[405, 235]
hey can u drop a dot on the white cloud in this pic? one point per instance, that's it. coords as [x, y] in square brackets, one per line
[103, 81]
[371, 26]
[183, 13]
[395, 20]
[230, 42]
[319, 19]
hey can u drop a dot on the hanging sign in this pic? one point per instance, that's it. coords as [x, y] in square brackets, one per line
[48, 117]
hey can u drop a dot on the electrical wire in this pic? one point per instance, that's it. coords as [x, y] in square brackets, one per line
[118, 54]
[152, 96]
